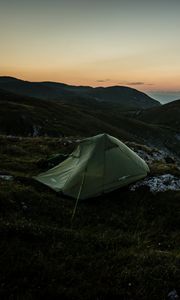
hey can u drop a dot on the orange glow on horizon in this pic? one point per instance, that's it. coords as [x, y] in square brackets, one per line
[162, 84]
[105, 44]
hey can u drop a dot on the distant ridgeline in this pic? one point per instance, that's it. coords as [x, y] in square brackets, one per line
[55, 109]
[124, 96]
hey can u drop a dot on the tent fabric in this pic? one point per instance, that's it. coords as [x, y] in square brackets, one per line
[98, 165]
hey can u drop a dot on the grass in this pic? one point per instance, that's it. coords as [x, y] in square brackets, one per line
[123, 245]
[37, 117]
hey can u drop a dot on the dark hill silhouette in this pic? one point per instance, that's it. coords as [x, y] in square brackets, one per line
[167, 115]
[119, 95]
[28, 116]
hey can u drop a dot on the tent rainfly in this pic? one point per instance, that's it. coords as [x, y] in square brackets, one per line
[98, 165]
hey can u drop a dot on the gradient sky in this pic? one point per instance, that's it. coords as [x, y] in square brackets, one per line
[97, 42]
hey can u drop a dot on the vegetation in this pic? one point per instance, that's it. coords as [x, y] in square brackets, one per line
[167, 115]
[37, 117]
[123, 245]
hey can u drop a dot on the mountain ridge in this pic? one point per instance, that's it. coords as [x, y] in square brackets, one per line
[167, 115]
[49, 90]
[28, 116]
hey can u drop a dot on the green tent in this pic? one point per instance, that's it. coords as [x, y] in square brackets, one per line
[98, 165]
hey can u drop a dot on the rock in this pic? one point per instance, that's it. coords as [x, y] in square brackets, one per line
[173, 295]
[162, 183]
[6, 177]
[169, 160]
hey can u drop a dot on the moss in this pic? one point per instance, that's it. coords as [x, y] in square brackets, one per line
[159, 168]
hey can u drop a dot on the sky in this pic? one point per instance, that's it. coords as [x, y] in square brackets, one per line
[99, 43]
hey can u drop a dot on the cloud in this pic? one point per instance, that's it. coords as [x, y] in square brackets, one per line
[103, 80]
[135, 83]
[132, 83]
[124, 82]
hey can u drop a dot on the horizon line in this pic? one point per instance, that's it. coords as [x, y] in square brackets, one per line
[98, 86]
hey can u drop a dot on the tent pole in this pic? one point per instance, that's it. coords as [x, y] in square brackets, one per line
[104, 163]
[79, 193]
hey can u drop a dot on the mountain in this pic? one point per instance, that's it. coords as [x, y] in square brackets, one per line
[85, 115]
[119, 95]
[123, 95]
[167, 115]
[32, 89]
[28, 116]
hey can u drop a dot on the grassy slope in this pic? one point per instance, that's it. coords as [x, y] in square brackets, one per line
[21, 115]
[167, 114]
[167, 119]
[124, 245]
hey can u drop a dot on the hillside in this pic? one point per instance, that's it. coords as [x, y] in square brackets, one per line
[20, 115]
[123, 245]
[120, 95]
[25, 116]
[167, 114]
